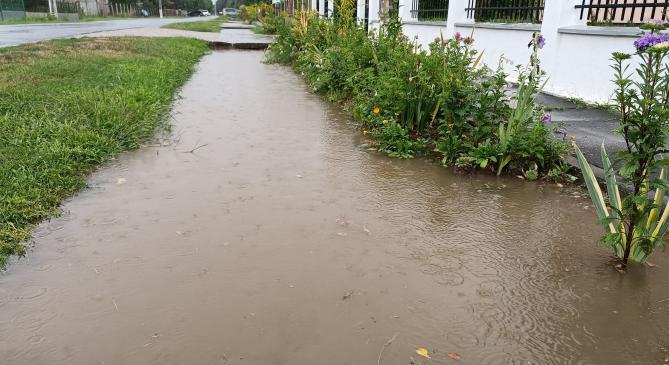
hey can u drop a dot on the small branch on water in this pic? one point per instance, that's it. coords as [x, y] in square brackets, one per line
[197, 147]
[388, 343]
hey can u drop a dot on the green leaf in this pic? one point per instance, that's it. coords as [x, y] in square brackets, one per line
[611, 186]
[594, 189]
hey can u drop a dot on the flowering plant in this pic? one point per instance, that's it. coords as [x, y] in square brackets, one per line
[636, 224]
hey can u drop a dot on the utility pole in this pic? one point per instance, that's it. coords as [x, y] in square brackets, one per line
[160, 8]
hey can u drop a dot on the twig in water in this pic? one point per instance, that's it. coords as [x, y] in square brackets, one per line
[388, 343]
[664, 300]
[115, 305]
[197, 148]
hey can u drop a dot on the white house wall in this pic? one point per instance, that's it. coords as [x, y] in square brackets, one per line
[576, 56]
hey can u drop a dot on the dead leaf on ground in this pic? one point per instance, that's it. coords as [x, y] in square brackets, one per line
[454, 356]
[423, 352]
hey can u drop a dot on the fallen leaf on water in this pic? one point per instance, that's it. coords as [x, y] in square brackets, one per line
[364, 229]
[423, 352]
[342, 234]
[454, 356]
[120, 180]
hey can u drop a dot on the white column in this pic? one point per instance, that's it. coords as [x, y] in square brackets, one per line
[456, 14]
[360, 8]
[321, 7]
[405, 10]
[557, 14]
[374, 16]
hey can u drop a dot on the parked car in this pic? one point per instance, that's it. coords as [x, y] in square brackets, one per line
[199, 13]
[231, 12]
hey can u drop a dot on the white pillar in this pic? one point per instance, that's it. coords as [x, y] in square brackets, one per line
[405, 10]
[360, 9]
[321, 7]
[313, 5]
[374, 13]
[330, 8]
[557, 14]
[456, 14]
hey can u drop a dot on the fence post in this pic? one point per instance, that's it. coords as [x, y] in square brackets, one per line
[457, 14]
[557, 14]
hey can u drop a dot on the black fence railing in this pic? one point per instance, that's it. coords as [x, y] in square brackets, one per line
[623, 11]
[70, 7]
[37, 6]
[506, 11]
[429, 9]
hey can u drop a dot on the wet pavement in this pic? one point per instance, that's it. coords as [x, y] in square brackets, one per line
[157, 32]
[235, 36]
[262, 231]
[11, 35]
[589, 125]
[227, 38]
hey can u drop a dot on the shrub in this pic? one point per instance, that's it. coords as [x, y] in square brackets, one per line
[413, 99]
[255, 12]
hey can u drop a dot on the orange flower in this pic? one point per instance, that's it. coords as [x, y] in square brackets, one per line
[376, 110]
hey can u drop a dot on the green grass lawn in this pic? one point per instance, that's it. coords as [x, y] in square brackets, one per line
[67, 106]
[213, 25]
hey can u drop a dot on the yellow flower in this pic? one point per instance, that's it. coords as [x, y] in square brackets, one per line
[385, 121]
[376, 110]
[364, 132]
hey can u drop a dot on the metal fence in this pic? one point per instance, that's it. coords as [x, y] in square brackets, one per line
[436, 10]
[12, 9]
[290, 7]
[630, 12]
[507, 11]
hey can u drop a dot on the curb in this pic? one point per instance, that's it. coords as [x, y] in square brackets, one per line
[227, 45]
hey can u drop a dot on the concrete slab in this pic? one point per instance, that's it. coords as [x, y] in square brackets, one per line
[242, 39]
[236, 25]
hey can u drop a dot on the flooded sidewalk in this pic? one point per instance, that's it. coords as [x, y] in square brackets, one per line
[266, 233]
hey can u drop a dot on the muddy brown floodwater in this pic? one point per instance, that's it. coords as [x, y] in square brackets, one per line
[282, 240]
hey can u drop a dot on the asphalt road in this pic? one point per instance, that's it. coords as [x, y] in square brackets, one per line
[11, 35]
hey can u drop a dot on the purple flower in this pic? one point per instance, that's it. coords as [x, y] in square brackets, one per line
[650, 39]
[541, 41]
[458, 37]
[547, 118]
[655, 21]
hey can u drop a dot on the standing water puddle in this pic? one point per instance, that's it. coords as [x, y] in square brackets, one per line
[279, 240]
